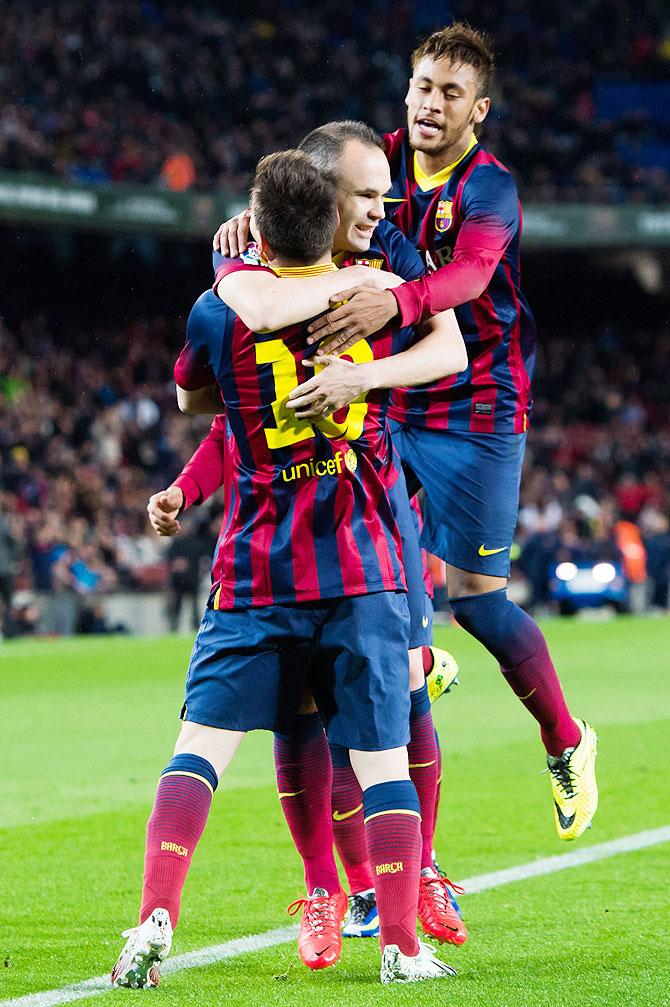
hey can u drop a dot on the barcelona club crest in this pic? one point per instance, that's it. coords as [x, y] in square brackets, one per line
[443, 215]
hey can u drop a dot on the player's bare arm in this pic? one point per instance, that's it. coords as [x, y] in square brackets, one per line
[265, 302]
[163, 509]
[194, 402]
[439, 353]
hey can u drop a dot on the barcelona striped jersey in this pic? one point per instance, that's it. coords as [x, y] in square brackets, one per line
[306, 511]
[466, 222]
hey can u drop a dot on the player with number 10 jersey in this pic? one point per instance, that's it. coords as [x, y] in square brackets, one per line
[306, 515]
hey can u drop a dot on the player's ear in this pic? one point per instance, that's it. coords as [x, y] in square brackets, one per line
[480, 110]
[409, 88]
[267, 253]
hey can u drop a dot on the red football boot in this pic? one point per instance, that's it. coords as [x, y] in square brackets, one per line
[437, 916]
[320, 937]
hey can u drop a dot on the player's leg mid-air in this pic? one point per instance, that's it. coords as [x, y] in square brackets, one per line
[465, 438]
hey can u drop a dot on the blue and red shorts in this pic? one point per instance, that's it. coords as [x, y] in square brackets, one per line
[471, 483]
[249, 667]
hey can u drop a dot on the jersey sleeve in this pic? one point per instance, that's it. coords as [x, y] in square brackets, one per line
[202, 474]
[491, 218]
[207, 332]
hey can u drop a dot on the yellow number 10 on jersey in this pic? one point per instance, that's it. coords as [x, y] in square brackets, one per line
[289, 429]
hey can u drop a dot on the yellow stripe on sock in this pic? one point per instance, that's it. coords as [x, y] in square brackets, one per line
[422, 765]
[294, 794]
[395, 811]
[194, 776]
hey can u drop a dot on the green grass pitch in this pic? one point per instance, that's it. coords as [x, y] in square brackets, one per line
[88, 725]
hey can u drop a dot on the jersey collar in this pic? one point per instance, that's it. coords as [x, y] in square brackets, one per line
[317, 270]
[441, 177]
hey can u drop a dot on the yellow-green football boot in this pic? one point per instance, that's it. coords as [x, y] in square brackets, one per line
[443, 675]
[574, 786]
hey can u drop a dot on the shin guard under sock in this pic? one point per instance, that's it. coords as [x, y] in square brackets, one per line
[423, 771]
[179, 814]
[304, 777]
[393, 830]
[348, 825]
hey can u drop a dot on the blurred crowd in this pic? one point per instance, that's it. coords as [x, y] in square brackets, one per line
[89, 429]
[189, 96]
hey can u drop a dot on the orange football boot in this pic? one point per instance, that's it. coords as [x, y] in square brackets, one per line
[437, 916]
[320, 937]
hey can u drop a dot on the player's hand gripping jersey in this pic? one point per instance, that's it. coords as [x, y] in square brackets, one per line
[467, 219]
[306, 511]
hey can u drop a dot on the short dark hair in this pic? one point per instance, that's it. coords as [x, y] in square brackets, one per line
[459, 43]
[325, 144]
[294, 206]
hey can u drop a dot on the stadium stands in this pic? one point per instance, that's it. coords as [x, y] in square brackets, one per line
[188, 97]
[84, 440]
[191, 97]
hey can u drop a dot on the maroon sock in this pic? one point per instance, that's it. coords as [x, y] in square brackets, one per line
[393, 829]
[428, 660]
[348, 824]
[438, 788]
[536, 684]
[517, 643]
[422, 754]
[179, 814]
[304, 775]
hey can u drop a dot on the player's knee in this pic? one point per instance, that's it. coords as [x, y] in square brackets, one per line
[372, 768]
[416, 672]
[307, 704]
[502, 627]
[463, 583]
[211, 743]
[481, 615]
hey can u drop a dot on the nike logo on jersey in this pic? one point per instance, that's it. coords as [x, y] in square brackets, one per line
[483, 551]
[565, 821]
[341, 816]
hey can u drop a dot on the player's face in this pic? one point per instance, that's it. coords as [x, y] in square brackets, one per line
[442, 106]
[362, 177]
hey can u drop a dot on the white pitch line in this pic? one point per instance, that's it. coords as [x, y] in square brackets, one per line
[549, 865]
[284, 935]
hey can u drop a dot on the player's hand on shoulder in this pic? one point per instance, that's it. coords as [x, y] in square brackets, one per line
[163, 509]
[233, 237]
[354, 315]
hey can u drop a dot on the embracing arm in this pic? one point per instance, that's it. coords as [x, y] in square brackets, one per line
[491, 219]
[477, 252]
[439, 353]
[266, 302]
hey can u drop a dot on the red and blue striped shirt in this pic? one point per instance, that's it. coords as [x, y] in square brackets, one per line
[468, 227]
[306, 511]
